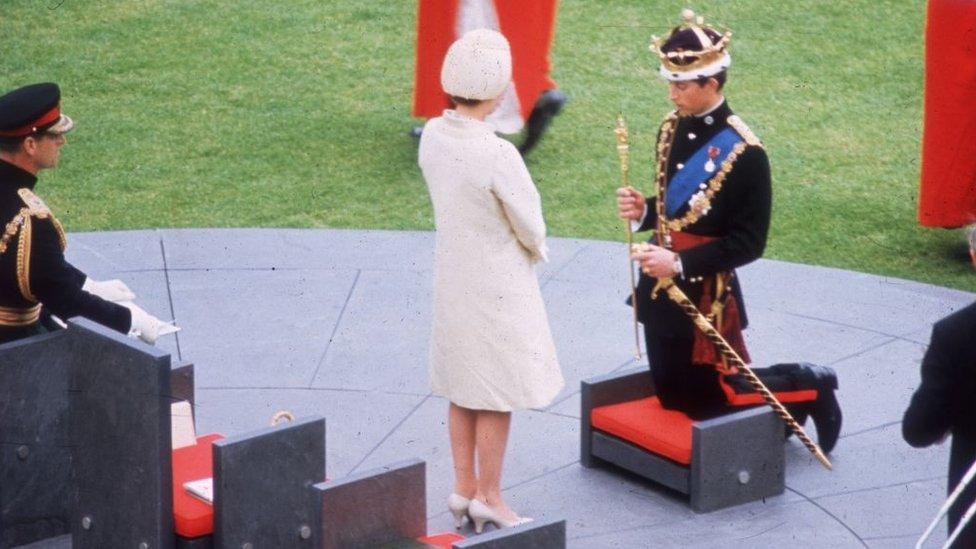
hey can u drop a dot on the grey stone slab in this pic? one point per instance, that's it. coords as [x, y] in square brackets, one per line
[382, 340]
[602, 503]
[258, 328]
[248, 326]
[565, 255]
[120, 436]
[568, 405]
[261, 485]
[798, 524]
[592, 329]
[890, 511]
[775, 337]
[883, 304]
[374, 507]
[424, 435]
[59, 542]
[35, 453]
[104, 254]
[598, 264]
[298, 249]
[876, 386]
[357, 421]
[867, 461]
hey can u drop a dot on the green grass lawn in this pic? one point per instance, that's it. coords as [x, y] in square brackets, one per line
[204, 113]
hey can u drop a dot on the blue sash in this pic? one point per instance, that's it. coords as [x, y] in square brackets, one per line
[687, 180]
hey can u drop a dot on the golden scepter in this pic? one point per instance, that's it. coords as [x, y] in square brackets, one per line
[689, 308]
[623, 151]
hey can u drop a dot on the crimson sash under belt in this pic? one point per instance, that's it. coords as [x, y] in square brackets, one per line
[718, 305]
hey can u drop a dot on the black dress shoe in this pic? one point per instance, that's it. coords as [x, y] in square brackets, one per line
[825, 411]
[416, 132]
[546, 107]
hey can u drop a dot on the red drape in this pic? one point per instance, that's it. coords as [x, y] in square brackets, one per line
[947, 196]
[529, 28]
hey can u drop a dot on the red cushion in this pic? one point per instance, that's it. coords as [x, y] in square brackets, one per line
[444, 541]
[746, 399]
[647, 424]
[192, 518]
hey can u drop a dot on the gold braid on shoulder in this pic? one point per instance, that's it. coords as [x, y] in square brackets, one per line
[21, 223]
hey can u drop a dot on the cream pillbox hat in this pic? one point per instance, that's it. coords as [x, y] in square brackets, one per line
[477, 66]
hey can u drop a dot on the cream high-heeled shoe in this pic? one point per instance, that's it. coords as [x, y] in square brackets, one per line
[481, 514]
[458, 506]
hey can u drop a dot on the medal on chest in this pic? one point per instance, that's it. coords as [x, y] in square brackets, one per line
[713, 153]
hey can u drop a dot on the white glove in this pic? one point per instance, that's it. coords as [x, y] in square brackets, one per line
[109, 290]
[147, 327]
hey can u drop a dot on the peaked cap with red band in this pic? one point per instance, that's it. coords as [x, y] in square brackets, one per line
[33, 109]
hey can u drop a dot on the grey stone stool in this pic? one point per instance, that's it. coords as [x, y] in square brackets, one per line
[387, 507]
[735, 458]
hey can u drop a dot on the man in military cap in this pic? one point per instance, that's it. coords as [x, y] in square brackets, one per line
[35, 279]
[710, 215]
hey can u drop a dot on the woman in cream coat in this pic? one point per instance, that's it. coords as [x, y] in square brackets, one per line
[491, 350]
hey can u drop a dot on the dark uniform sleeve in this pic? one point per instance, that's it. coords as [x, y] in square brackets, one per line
[57, 284]
[745, 240]
[650, 220]
[928, 417]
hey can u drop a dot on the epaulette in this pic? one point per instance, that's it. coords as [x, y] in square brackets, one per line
[34, 203]
[35, 207]
[740, 126]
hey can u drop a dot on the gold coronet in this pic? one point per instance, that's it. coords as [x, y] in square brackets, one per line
[692, 60]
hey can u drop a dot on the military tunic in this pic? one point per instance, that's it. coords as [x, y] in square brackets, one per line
[732, 225]
[35, 278]
[946, 402]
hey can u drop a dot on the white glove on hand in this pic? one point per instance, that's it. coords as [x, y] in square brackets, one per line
[147, 327]
[109, 290]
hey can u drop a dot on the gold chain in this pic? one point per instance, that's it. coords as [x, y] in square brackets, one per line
[664, 143]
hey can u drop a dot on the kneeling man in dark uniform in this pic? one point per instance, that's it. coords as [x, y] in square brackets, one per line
[36, 282]
[710, 215]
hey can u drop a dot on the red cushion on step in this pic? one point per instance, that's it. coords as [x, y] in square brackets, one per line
[647, 424]
[192, 518]
[746, 399]
[444, 541]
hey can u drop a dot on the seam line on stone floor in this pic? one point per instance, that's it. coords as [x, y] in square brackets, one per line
[870, 429]
[757, 534]
[862, 352]
[335, 329]
[539, 476]
[390, 433]
[899, 536]
[557, 414]
[828, 513]
[844, 325]
[874, 488]
[628, 529]
[565, 264]
[169, 296]
[274, 388]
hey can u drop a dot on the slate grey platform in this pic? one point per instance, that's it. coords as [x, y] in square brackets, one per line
[335, 323]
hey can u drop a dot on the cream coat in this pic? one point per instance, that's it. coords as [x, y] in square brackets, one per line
[491, 348]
